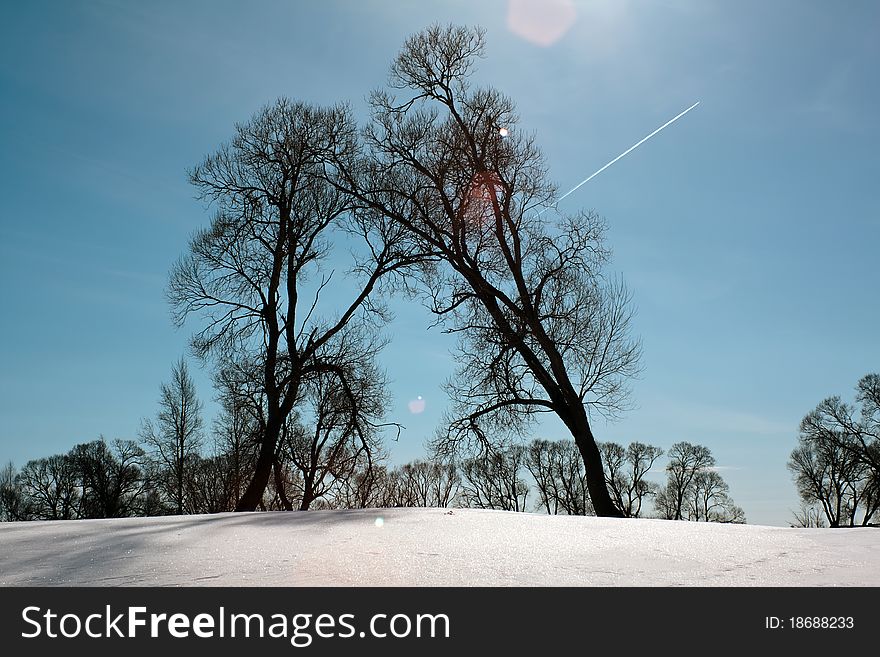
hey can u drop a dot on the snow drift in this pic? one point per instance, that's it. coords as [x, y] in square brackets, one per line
[429, 547]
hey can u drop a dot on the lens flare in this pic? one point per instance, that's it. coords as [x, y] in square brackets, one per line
[416, 405]
[542, 22]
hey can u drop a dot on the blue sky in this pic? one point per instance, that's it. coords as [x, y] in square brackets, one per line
[748, 231]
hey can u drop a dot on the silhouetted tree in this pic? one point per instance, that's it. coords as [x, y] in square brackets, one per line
[558, 471]
[808, 516]
[210, 484]
[12, 503]
[425, 484]
[333, 430]
[50, 488]
[111, 480]
[625, 471]
[541, 328]
[686, 461]
[837, 461]
[829, 473]
[368, 486]
[238, 428]
[176, 436]
[494, 481]
[246, 274]
[709, 500]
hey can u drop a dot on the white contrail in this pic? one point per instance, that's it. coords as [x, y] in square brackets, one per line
[627, 151]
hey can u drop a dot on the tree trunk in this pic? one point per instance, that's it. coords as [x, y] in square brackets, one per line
[308, 491]
[253, 494]
[586, 444]
[279, 486]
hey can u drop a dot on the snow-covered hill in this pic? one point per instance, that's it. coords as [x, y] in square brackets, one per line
[430, 547]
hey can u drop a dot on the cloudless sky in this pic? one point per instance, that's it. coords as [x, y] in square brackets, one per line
[748, 231]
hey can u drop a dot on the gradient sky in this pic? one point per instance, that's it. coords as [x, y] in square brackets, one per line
[748, 231]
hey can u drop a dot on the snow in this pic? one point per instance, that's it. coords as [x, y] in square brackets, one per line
[429, 547]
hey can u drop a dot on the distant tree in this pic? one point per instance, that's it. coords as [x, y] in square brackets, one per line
[12, 503]
[370, 485]
[809, 516]
[542, 329]
[558, 471]
[541, 462]
[709, 500]
[111, 479]
[494, 481]
[50, 488]
[331, 430]
[210, 484]
[829, 473]
[177, 435]
[248, 273]
[238, 427]
[426, 484]
[154, 501]
[625, 471]
[836, 464]
[686, 461]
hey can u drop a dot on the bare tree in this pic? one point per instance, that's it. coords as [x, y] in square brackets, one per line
[238, 428]
[12, 503]
[709, 500]
[370, 485]
[50, 488]
[625, 471]
[829, 472]
[246, 274]
[837, 461]
[176, 436]
[426, 484]
[332, 430]
[494, 481]
[686, 461]
[808, 516]
[211, 484]
[541, 462]
[542, 330]
[558, 471]
[111, 479]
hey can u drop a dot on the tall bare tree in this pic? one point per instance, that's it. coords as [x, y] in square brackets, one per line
[246, 275]
[176, 436]
[542, 330]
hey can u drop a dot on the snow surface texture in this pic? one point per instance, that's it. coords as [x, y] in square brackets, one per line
[429, 547]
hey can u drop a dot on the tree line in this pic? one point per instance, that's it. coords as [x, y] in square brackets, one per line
[166, 472]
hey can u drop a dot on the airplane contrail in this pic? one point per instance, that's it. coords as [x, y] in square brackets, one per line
[627, 151]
